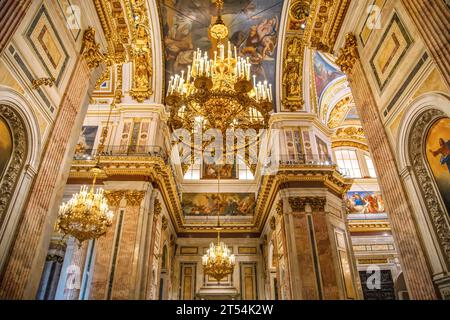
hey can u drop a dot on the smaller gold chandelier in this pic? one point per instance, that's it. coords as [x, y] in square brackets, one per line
[87, 215]
[218, 262]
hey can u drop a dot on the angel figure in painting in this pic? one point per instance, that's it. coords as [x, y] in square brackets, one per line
[444, 151]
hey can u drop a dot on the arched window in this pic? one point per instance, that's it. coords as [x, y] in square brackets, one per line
[370, 166]
[347, 160]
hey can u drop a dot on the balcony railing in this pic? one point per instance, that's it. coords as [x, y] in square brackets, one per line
[308, 160]
[123, 151]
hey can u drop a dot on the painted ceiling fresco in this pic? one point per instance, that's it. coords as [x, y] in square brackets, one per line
[324, 73]
[253, 26]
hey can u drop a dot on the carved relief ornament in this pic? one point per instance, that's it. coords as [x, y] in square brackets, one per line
[349, 54]
[20, 146]
[91, 49]
[419, 165]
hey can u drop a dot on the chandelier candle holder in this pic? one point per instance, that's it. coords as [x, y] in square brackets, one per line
[219, 88]
[87, 215]
[218, 262]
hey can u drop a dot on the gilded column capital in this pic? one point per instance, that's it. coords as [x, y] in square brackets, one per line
[114, 197]
[90, 49]
[298, 204]
[349, 54]
[134, 198]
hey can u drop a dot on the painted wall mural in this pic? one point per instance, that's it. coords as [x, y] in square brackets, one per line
[206, 204]
[324, 73]
[438, 155]
[253, 26]
[227, 171]
[86, 141]
[364, 202]
[6, 146]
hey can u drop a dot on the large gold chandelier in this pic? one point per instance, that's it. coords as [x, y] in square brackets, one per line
[87, 215]
[219, 91]
[218, 262]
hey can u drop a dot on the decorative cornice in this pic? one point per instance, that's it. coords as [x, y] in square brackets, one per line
[349, 54]
[328, 176]
[152, 168]
[351, 144]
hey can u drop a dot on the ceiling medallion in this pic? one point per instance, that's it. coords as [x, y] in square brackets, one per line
[219, 92]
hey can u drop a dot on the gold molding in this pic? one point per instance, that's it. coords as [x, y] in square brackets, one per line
[324, 23]
[90, 49]
[348, 54]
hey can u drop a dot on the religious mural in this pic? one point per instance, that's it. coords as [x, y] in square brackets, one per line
[6, 146]
[364, 202]
[253, 26]
[324, 73]
[227, 171]
[230, 204]
[86, 141]
[438, 155]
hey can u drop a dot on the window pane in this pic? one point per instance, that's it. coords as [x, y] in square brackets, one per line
[370, 166]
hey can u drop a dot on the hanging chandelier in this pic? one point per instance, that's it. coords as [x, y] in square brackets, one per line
[218, 91]
[86, 215]
[218, 262]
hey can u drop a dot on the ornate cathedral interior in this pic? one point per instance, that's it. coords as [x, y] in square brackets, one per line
[224, 150]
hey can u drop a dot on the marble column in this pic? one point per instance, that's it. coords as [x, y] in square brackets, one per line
[52, 270]
[104, 249]
[414, 263]
[322, 266]
[11, 15]
[432, 20]
[123, 285]
[117, 253]
[20, 276]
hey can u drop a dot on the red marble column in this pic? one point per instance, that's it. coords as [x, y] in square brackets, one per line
[18, 279]
[414, 263]
[11, 15]
[432, 19]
